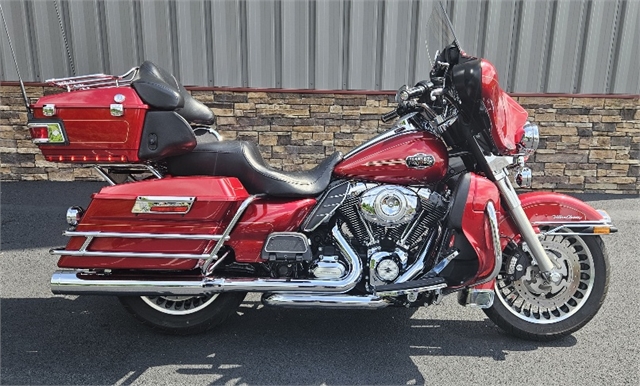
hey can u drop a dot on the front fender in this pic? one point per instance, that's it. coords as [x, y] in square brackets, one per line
[556, 210]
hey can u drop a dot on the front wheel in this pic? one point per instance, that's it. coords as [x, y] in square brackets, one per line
[183, 315]
[537, 309]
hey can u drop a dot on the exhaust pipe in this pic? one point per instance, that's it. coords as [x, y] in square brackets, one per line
[86, 283]
[337, 301]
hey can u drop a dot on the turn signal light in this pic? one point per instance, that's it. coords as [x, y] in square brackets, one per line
[601, 230]
[85, 158]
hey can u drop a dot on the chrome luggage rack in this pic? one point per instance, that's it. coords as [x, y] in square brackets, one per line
[85, 82]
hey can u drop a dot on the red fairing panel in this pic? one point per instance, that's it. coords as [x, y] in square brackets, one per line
[263, 217]
[217, 199]
[386, 161]
[91, 129]
[549, 207]
[475, 225]
[506, 115]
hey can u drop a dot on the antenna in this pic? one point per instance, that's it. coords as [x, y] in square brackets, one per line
[15, 61]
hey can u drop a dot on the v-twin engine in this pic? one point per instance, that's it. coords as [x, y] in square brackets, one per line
[392, 223]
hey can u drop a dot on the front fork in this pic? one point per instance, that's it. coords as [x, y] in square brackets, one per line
[547, 265]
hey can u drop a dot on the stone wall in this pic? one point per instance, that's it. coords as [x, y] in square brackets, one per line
[588, 144]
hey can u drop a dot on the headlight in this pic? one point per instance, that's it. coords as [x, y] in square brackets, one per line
[530, 139]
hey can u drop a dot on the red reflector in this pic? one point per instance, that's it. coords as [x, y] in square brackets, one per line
[61, 158]
[123, 158]
[84, 157]
[39, 132]
[169, 209]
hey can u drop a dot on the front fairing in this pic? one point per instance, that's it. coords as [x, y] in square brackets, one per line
[475, 82]
[507, 117]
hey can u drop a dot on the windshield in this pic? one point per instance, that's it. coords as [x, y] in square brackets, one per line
[439, 32]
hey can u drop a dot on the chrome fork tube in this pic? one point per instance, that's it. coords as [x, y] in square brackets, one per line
[524, 225]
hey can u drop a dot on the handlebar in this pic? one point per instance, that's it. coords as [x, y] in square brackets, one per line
[411, 92]
[388, 117]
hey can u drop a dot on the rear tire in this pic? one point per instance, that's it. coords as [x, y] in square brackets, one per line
[532, 309]
[183, 315]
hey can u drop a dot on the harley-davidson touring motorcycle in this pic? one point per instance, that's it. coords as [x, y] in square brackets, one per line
[190, 223]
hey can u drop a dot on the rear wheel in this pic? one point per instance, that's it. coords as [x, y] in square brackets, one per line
[538, 309]
[183, 315]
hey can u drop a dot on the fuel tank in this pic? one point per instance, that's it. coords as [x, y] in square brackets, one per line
[404, 159]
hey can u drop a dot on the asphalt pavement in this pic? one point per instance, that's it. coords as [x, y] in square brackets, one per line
[91, 340]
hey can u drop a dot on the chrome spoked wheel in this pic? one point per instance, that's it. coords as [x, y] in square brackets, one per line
[179, 305]
[537, 300]
[537, 308]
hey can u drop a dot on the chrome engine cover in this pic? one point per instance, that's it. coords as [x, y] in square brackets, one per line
[389, 205]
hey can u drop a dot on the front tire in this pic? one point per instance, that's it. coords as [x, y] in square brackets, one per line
[183, 315]
[534, 309]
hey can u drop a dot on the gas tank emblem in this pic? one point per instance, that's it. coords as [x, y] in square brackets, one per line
[420, 161]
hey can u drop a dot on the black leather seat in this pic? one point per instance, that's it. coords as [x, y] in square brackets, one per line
[243, 160]
[160, 90]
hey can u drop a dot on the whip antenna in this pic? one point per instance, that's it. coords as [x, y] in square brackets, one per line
[15, 61]
[64, 38]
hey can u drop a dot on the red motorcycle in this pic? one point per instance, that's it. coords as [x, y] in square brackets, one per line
[191, 223]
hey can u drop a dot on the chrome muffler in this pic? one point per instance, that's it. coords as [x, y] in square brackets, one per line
[69, 282]
[337, 301]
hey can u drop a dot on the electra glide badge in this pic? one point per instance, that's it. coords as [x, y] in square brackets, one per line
[420, 161]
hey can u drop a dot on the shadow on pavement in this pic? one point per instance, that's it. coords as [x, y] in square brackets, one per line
[92, 340]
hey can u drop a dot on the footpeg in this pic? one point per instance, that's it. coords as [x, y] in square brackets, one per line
[479, 298]
[411, 287]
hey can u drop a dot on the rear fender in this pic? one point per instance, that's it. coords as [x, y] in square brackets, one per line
[555, 213]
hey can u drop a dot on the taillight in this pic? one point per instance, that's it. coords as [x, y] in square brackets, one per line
[46, 132]
[39, 134]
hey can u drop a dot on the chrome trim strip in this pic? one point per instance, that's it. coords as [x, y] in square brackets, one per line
[143, 235]
[574, 223]
[490, 212]
[80, 282]
[325, 301]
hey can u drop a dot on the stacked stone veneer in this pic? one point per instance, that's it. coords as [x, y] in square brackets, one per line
[588, 144]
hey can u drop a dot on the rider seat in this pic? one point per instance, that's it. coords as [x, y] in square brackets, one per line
[242, 159]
